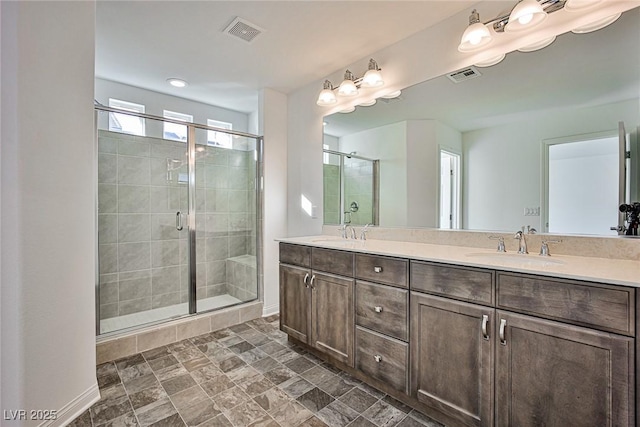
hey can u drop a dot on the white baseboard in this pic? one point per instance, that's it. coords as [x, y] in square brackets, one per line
[75, 408]
[272, 309]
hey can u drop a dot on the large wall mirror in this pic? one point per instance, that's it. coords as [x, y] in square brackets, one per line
[533, 141]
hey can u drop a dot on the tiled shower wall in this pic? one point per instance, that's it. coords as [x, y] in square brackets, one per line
[358, 187]
[331, 187]
[142, 183]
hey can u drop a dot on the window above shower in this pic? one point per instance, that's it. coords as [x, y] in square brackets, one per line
[175, 131]
[125, 123]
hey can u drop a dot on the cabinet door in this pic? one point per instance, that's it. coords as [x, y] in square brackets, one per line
[295, 294]
[552, 374]
[333, 316]
[452, 351]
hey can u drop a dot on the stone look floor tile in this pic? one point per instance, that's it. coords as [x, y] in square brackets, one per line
[291, 414]
[315, 399]
[358, 399]
[272, 399]
[247, 375]
[383, 414]
[155, 412]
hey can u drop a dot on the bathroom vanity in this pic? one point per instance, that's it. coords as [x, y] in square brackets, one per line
[468, 336]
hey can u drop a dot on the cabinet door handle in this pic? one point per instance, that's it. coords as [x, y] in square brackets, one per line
[503, 325]
[377, 269]
[377, 309]
[311, 283]
[485, 322]
[306, 277]
[179, 221]
[378, 358]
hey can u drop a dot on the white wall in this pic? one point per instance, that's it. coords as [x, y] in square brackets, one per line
[48, 208]
[503, 164]
[156, 102]
[387, 143]
[273, 126]
[425, 55]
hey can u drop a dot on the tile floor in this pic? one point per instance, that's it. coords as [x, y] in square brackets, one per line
[246, 375]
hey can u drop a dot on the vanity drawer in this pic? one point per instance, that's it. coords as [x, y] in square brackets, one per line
[391, 271]
[382, 308]
[606, 307]
[382, 358]
[464, 283]
[332, 261]
[295, 254]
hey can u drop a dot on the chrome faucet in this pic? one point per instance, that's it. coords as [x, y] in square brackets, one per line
[544, 249]
[344, 229]
[363, 233]
[522, 244]
[500, 240]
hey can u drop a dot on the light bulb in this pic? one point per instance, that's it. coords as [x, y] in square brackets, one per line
[527, 14]
[372, 78]
[326, 97]
[348, 87]
[525, 19]
[475, 36]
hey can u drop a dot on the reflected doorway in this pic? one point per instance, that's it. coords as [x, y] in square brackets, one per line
[449, 190]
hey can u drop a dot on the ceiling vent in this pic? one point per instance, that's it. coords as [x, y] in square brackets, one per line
[464, 74]
[243, 29]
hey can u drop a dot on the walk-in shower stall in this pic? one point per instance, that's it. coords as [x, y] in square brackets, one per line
[350, 189]
[177, 212]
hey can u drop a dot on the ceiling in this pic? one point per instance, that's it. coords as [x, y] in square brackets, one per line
[577, 70]
[143, 43]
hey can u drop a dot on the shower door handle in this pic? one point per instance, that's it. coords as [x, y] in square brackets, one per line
[179, 221]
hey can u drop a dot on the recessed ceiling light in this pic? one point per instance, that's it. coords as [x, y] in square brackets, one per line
[177, 82]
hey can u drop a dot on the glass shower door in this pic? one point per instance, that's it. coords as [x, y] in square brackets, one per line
[226, 223]
[142, 202]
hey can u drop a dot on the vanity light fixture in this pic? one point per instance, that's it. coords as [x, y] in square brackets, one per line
[476, 36]
[538, 45]
[491, 61]
[351, 85]
[177, 82]
[597, 25]
[525, 15]
[577, 5]
[391, 95]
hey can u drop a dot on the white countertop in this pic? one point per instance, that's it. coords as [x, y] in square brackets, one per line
[612, 271]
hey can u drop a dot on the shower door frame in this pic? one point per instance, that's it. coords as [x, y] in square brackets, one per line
[191, 215]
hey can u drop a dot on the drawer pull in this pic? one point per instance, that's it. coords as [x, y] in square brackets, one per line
[377, 309]
[377, 269]
[485, 322]
[378, 358]
[306, 277]
[503, 325]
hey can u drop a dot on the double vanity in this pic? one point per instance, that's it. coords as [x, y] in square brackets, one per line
[469, 336]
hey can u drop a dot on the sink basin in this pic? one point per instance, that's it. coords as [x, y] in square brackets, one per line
[517, 259]
[326, 239]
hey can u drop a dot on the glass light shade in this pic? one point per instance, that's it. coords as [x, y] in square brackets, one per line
[597, 25]
[368, 103]
[372, 78]
[577, 5]
[475, 37]
[538, 45]
[527, 14]
[348, 110]
[392, 95]
[326, 97]
[347, 88]
[491, 61]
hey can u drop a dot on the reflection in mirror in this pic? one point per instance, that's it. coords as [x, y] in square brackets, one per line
[350, 188]
[501, 123]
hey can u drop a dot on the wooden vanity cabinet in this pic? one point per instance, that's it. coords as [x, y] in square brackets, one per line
[452, 357]
[552, 374]
[316, 305]
[468, 346]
